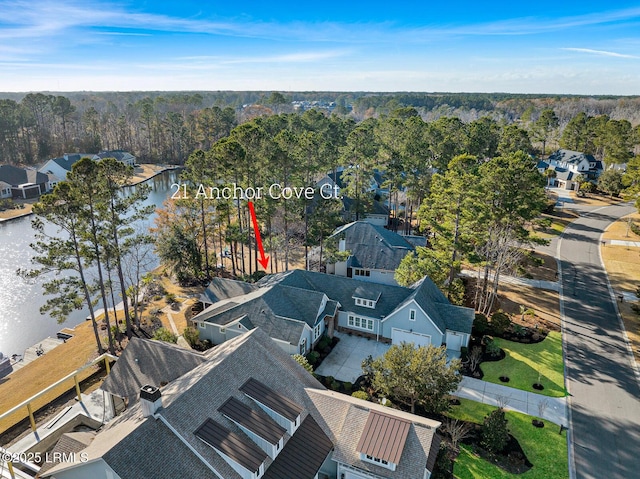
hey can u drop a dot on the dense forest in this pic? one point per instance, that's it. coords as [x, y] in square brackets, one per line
[167, 126]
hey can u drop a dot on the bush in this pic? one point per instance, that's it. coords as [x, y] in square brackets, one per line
[360, 395]
[302, 361]
[519, 330]
[192, 336]
[335, 385]
[500, 321]
[313, 357]
[495, 434]
[492, 348]
[324, 342]
[347, 387]
[163, 334]
[481, 323]
[170, 298]
[328, 380]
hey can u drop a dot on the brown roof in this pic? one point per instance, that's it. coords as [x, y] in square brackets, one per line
[383, 437]
[240, 449]
[303, 454]
[271, 399]
[256, 422]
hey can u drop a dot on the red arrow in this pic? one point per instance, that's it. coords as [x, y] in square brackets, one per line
[264, 260]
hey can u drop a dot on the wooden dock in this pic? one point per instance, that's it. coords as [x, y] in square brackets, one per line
[35, 351]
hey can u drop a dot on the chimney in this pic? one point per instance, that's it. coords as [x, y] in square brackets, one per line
[150, 400]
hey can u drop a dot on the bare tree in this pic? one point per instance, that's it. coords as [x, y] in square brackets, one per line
[474, 358]
[457, 430]
[502, 400]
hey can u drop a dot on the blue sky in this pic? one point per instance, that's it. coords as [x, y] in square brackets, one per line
[544, 47]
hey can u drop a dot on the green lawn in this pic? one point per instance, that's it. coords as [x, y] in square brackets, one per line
[523, 362]
[544, 447]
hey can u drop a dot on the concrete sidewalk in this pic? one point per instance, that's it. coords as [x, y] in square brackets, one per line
[535, 283]
[516, 399]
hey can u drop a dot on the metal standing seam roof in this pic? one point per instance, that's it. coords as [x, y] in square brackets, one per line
[244, 452]
[384, 437]
[272, 399]
[303, 454]
[256, 422]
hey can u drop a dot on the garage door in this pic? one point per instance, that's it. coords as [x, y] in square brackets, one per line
[454, 341]
[402, 336]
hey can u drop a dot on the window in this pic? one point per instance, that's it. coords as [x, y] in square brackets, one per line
[316, 331]
[303, 346]
[377, 460]
[370, 304]
[360, 323]
[412, 315]
[362, 272]
[358, 301]
[202, 326]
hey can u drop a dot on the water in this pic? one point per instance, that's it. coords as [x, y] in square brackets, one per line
[21, 324]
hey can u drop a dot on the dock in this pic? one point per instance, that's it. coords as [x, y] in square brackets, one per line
[35, 351]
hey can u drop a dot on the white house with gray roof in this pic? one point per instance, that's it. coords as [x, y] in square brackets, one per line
[249, 411]
[297, 307]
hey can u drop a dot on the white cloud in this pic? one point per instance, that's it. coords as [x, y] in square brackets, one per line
[599, 52]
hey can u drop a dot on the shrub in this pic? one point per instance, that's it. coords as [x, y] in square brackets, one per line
[313, 357]
[163, 334]
[347, 387]
[500, 321]
[192, 336]
[492, 348]
[495, 434]
[360, 395]
[302, 361]
[170, 298]
[328, 380]
[323, 343]
[519, 330]
[481, 323]
[335, 385]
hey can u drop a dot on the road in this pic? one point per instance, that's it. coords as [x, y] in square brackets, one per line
[605, 394]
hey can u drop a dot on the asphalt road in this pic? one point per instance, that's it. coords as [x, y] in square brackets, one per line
[605, 394]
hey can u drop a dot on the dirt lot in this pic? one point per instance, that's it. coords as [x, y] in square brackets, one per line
[547, 271]
[623, 267]
[546, 305]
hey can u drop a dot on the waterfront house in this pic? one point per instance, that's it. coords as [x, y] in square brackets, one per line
[249, 412]
[297, 307]
[25, 183]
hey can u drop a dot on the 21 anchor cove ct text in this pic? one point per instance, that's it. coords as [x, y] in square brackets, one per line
[275, 191]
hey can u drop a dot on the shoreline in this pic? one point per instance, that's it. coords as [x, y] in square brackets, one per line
[162, 169]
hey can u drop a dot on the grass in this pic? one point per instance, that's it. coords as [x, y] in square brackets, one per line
[544, 447]
[545, 303]
[524, 362]
[559, 221]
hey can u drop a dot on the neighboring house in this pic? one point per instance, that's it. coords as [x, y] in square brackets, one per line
[375, 252]
[295, 318]
[569, 164]
[24, 182]
[147, 361]
[120, 155]
[377, 214]
[251, 412]
[5, 190]
[296, 307]
[60, 167]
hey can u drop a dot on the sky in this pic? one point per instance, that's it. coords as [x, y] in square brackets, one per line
[560, 47]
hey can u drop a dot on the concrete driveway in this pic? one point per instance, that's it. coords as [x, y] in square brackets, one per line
[344, 362]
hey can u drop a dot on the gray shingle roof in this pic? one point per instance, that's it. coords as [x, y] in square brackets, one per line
[372, 246]
[17, 176]
[341, 289]
[570, 156]
[222, 288]
[146, 361]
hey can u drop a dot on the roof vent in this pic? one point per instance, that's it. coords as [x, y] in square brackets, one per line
[150, 400]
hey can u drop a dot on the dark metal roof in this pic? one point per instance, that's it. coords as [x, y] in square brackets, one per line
[272, 399]
[383, 437]
[303, 454]
[243, 451]
[257, 422]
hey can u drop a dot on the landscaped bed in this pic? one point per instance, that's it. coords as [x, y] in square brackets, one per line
[543, 447]
[526, 364]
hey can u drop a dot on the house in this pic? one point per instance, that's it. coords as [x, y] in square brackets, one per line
[251, 412]
[295, 318]
[59, 168]
[120, 155]
[377, 213]
[297, 307]
[374, 252]
[5, 190]
[569, 164]
[24, 182]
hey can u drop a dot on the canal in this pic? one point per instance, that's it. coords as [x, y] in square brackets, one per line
[21, 324]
